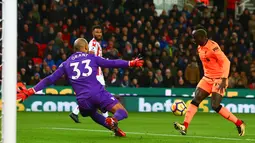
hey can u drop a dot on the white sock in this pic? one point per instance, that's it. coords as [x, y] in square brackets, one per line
[76, 110]
[105, 114]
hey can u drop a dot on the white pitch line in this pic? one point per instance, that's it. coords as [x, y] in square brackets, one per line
[152, 134]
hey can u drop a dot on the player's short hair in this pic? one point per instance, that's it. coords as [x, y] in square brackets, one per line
[79, 43]
[96, 27]
[199, 30]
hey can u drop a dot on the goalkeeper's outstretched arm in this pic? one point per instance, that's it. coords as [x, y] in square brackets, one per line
[49, 80]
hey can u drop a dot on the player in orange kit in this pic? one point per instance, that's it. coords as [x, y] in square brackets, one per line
[216, 70]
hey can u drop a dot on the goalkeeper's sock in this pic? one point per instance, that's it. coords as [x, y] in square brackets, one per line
[76, 111]
[120, 114]
[224, 112]
[105, 114]
[191, 111]
[100, 119]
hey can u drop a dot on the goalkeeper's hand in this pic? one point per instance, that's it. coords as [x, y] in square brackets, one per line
[137, 62]
[23, 94]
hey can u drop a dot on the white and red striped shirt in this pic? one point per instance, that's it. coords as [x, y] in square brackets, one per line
[97, 49]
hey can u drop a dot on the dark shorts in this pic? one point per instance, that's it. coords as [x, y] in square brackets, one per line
[104, 101]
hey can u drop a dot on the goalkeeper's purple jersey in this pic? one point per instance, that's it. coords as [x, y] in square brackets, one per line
[81, 70]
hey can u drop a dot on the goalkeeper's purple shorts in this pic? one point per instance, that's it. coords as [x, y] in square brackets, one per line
[104, 101]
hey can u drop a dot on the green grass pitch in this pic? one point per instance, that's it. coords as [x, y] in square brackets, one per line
[140, 128]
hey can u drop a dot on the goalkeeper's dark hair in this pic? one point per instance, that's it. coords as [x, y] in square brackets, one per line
[96, 27]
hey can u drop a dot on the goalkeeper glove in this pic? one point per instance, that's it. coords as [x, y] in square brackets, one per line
[23, 94]
[136, 63]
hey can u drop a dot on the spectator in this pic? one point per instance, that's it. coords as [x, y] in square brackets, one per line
[106, 73]
[159, 76]
[251, 25]
[38, 70]
[59, 40]
[115, 18]
[165, 41]
[180, 77]
[149, 79]
[24, 77]
[244, 79]
[149, 67]
[63, 58]
[22, 60]
[50, 50]
[156, 83]
[35, 79]
[192, 73]
[25, 33]
[134, 83]
[73, 37]
[31, 48]
[29, 67]
[40, 35]
[54, 68]
[44, 13]
[128, 51]
[233, 80]
[173, 69]
[47, 71]
[49, 60]
[54, 15]
[19, 78]
[166, 60]
[125, 82]
[252, 80]
[51, 34]
[113, 81]
[245, 66]
[168, 81]
[66, 35]
[35, 13]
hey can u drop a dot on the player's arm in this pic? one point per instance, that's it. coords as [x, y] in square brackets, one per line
[92, 48]
[49, 80]
[118, 63]
[222, 60]
[225, 63]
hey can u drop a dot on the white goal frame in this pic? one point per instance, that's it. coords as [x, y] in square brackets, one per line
[9, 70]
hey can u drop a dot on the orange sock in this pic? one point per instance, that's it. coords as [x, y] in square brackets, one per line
[192, 109]
[229, 116]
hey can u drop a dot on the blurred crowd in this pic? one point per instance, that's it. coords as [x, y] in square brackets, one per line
[48, 29]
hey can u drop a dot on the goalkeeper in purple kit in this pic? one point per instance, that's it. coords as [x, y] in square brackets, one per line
[81, 70]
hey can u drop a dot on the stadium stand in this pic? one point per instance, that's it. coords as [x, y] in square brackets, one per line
[48, 28]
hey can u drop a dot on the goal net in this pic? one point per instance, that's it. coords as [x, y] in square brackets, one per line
[8, 40]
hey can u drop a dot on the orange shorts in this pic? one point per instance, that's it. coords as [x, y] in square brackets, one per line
[211, 85]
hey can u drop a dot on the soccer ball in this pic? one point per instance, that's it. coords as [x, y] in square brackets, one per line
[179, 108]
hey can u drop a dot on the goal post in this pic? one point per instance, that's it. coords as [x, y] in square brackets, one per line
[9, 70]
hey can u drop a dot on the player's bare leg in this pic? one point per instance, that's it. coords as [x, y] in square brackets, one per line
[224, 112]
[200, 95]
[120, 113]
[74, 114]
